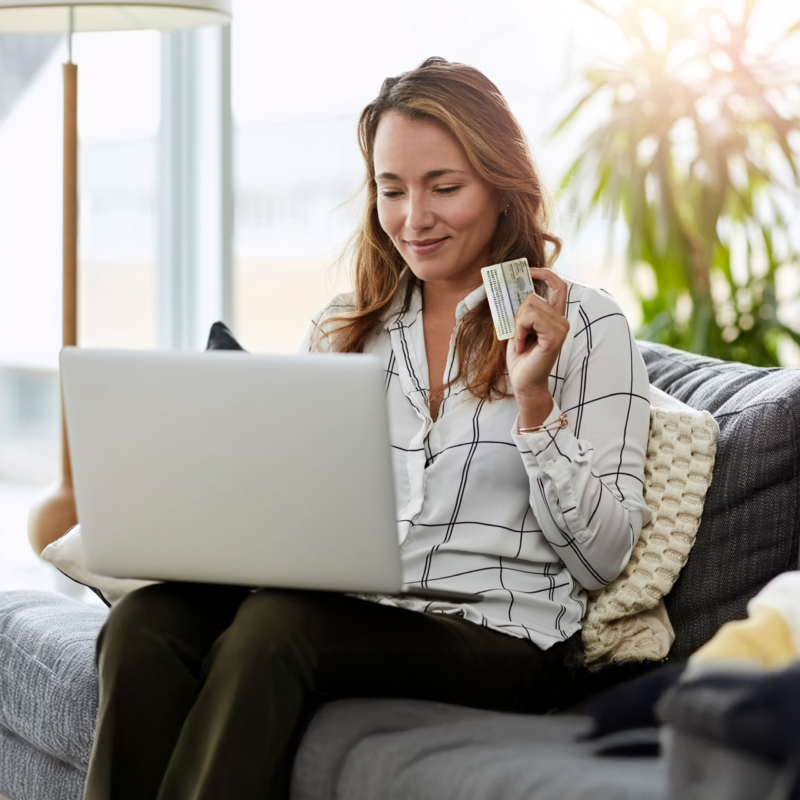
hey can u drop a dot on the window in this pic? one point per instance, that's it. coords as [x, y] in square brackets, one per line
[118, 120]
[119, 113]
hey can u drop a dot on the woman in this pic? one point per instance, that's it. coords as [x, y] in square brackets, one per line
[205, 691]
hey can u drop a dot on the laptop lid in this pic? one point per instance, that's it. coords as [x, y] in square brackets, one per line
[230, 467]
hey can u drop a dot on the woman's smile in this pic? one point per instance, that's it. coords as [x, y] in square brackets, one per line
[423, 247]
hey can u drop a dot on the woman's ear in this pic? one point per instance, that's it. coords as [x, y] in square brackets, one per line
[503, 202]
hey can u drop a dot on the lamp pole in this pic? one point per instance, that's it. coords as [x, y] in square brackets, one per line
[70, 254]
[55, 514]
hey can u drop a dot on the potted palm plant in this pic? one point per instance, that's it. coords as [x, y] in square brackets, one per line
[696, 150]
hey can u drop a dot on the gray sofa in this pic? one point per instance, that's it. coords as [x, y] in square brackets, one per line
[406, 749]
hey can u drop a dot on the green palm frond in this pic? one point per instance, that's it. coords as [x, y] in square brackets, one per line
[694, 139]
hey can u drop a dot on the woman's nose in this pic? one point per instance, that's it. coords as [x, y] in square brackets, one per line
[419, 214]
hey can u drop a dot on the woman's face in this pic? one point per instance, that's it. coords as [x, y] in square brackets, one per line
[440, 214]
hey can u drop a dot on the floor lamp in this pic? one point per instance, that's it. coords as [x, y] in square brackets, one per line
[56, 514]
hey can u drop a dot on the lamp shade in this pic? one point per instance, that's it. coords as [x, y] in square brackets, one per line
[52, 17]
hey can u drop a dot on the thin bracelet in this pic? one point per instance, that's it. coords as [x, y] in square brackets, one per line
[561, 422]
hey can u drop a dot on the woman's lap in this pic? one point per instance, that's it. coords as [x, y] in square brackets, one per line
[210, 681]
[349, 646]
[189, 616]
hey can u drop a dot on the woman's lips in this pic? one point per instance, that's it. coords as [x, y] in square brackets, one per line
[423, 247]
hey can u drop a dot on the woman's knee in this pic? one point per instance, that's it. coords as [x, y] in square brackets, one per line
[135, 614]
[275, 624]
[168, 610]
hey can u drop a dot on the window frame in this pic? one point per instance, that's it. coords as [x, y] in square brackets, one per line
[196, 197]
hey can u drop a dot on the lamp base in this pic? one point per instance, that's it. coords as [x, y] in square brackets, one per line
[52, 516]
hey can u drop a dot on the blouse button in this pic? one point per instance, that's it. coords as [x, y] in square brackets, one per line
[550, 464]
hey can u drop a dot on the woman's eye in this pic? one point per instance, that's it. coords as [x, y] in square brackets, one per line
[448, 189]
[390, 194]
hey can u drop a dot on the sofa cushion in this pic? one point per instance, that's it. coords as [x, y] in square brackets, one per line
[395, 749]
[751, 523]
[27, 773]
[48, 679]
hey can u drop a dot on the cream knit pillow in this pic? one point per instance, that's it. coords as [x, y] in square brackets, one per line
[626, 620]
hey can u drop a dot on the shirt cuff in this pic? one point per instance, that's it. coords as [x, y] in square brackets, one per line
[552, 448]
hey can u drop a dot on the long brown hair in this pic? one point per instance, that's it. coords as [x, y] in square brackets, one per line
[468, 105]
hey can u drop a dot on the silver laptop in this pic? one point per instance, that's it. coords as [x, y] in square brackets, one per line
[227, 467]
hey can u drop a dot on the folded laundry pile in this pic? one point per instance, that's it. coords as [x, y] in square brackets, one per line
[735, 713]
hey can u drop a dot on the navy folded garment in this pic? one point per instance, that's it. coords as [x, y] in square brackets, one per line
[624, 716]
[630, 705]
[757, 713]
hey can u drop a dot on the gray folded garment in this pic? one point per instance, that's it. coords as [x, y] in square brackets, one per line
[735, 735]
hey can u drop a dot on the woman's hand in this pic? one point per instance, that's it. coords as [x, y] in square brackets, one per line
[541, 328]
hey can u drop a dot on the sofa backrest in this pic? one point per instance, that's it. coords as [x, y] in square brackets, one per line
[750, 527]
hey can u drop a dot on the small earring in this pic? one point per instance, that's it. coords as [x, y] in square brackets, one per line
[505, 212]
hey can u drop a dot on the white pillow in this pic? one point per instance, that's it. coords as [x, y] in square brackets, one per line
[66, 555]
[666, 402]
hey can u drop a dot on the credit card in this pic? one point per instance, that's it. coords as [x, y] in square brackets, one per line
[507, 285]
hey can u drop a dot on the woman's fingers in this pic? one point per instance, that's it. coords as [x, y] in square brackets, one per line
[557, 297]
[536, 315]
[522, 327]
[541, 327]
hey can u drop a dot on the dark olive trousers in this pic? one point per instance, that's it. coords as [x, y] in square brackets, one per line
[206, 691]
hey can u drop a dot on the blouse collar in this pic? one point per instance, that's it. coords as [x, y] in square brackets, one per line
[396, 312]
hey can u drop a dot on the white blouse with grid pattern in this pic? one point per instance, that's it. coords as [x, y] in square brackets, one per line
[528, 521]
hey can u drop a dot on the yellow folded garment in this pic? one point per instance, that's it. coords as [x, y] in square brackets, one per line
[768, 640]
